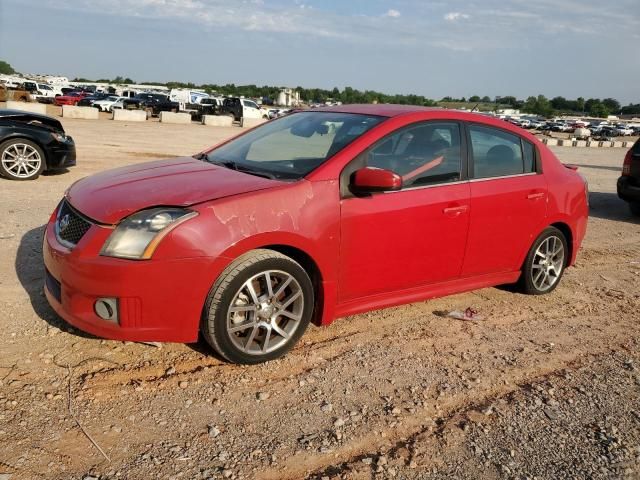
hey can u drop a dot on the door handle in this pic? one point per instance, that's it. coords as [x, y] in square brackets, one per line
[535, 196]
[454, 211]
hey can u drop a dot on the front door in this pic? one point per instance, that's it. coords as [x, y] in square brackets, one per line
[417, 235]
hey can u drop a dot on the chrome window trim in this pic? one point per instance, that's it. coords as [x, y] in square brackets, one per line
[422, 187]
[515, 175]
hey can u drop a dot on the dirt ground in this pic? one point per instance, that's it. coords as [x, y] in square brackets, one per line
[544, 387]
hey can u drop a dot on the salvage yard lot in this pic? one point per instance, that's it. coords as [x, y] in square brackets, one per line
[544, 386]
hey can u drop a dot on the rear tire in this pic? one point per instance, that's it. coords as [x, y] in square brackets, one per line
[258, 308]
[545, 263]
[635, 208]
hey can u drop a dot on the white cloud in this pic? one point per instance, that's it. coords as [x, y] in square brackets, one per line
[392, 13]
[455, 16]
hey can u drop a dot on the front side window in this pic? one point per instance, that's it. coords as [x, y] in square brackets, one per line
[422, 154]
[292, 146]
[497, 153]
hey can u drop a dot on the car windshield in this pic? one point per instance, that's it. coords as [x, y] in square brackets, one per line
[293, 146]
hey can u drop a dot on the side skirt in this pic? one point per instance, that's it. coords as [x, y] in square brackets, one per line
[424, 292]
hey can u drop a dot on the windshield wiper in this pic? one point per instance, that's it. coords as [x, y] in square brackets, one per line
[222, 163]
[234, 166]
[258, 173]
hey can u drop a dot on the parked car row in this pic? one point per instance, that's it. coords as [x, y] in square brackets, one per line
[596, 129]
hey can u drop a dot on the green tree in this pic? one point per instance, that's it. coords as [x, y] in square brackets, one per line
[6, 68]
[598, 110]
[611, 104]
[539, 105]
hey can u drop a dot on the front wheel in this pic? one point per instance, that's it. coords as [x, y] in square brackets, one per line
[258, 308]
[545, 262]
[21, 159]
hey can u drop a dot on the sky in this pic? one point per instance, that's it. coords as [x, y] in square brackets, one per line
[454, 48]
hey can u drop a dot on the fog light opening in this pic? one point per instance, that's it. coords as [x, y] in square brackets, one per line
[107, 309]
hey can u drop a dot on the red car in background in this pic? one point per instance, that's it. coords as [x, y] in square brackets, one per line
[313, 216]
[71, 98]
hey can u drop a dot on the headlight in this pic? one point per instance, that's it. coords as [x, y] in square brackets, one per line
[138, 235]
[59, 137]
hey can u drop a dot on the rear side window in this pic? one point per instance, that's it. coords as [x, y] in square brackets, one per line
[497, 153]
[528, 151]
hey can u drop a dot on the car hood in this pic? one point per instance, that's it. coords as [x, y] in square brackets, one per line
[110, 196]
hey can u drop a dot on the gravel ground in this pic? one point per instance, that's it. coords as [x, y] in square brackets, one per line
[544, 387]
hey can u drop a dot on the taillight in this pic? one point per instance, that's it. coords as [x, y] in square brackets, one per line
[626, 165]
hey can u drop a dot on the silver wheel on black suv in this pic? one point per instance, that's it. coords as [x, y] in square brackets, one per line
[21, 159]
[258, 308]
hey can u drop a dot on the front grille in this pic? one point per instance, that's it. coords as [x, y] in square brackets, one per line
[70, 225]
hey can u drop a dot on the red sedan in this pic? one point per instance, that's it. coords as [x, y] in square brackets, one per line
[71, 98]
[312, 216]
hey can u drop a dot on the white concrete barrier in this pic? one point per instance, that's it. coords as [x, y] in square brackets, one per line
[592, 144]
[122, 115]
[86, 113]
[617, 144]
[565, 143]
[550, 142]
[627, 144]
[217, 120]
[605, 144]
[581, 143]
[170, 117]
[40, 108]
[252, 122]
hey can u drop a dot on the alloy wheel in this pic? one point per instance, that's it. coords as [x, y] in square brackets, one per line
[265, 312]
[548, 262]
[21, 160]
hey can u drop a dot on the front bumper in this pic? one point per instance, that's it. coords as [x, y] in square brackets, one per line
[158, 300]
[628, 190]
[61, 154]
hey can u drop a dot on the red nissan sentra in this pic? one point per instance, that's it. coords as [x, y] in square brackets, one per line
[315, 215]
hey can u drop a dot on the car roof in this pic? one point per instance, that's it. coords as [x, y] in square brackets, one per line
[391, 111]
[383, 110]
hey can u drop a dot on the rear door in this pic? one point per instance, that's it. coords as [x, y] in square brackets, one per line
[508, 200]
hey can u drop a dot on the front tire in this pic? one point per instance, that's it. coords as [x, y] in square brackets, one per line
[21, 159]
[545, 263]
[258, 308]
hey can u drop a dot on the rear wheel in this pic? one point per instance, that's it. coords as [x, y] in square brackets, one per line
[635, 208]
[21, 159]
[258, 308]
[545, 262]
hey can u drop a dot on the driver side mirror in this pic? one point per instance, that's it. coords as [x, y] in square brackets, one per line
[372, 179]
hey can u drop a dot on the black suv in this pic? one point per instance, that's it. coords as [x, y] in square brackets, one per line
[629, 182]
[152, 102]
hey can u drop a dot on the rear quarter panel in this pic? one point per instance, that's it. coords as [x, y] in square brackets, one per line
[567, 199]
